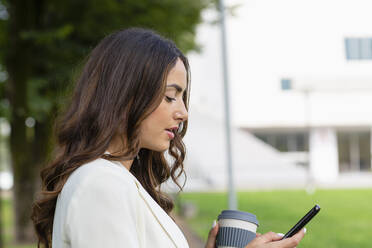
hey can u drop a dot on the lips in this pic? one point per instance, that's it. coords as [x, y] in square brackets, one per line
[170, 133]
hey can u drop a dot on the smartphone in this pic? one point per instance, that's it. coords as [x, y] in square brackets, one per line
[296, 228]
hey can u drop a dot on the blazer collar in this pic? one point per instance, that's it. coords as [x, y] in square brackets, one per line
[168, 225]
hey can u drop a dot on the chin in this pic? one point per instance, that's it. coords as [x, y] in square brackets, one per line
[159, 148]
[163, 149]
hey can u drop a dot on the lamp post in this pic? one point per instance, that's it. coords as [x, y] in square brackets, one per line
[231, 189]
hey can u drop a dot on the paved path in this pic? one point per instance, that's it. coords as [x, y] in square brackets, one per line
[192, 238]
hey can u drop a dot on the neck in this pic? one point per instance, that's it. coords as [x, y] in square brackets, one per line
[127, 164]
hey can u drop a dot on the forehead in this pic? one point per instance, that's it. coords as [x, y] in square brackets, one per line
[178, 75]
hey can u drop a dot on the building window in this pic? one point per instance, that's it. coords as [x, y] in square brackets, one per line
[358, 48]
[286, 84]
[285, 141]
[354, 150]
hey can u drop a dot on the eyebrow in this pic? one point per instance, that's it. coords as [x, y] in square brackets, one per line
[176, 86]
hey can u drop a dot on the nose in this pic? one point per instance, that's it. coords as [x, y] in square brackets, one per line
[181, 113]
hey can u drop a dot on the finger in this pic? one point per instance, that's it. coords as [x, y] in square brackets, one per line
[211, 241]
[267, 237]
[279, 236]
[293, 241]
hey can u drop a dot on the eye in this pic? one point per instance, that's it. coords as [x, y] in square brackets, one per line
[170, 99]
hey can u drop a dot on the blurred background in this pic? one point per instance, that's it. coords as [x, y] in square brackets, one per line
[300, 95]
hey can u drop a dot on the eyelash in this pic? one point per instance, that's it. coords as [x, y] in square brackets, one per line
[170, 99]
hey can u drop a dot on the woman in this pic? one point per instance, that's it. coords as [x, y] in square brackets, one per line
[128, 112]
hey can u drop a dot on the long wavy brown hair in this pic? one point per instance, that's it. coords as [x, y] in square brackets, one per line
[122, 82]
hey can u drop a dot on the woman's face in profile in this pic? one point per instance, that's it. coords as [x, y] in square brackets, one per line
[156, 130]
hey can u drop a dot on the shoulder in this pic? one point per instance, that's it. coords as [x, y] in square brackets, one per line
[99, 176]
[98, 192]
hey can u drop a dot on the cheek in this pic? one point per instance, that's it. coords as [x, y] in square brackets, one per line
[157, 120]
[161, 114]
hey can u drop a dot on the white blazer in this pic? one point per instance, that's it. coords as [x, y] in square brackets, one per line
[103, 205]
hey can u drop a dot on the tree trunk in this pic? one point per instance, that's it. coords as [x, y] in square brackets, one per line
[43, 145]
[1, 199]
[1, 219]
[17, 62]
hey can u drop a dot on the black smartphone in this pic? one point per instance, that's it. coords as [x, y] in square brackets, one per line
[296, 228]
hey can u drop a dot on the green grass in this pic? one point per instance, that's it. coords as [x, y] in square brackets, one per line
[345, 220]
[8, 217]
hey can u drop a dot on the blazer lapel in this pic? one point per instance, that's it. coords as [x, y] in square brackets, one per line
[171, 228]
[168, 225]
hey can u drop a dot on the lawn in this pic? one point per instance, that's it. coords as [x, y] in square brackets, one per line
[344, 221]
[7, 215]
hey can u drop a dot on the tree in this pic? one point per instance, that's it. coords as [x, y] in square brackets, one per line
[41, 44]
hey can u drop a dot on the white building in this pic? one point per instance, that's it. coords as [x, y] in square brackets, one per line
[300, 79]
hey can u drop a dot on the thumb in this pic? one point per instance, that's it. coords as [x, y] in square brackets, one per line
[211, 241]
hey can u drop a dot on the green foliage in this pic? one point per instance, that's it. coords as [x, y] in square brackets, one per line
[43, 43]
[40, 105]
[63, 32]
[345, 220]
[4, 103]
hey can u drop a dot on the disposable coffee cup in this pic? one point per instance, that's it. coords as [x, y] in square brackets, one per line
[236, 229]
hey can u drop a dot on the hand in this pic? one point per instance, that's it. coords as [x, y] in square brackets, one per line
[273, 240]
[267, 240]
[211, 241]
